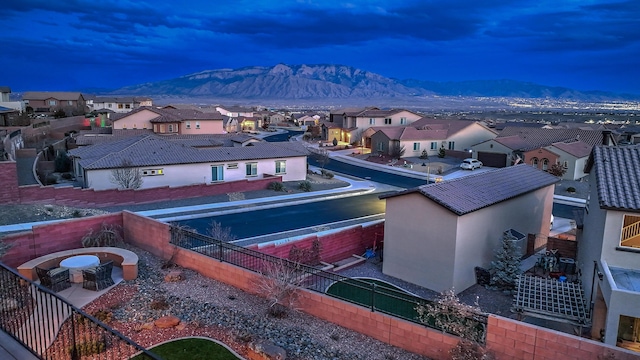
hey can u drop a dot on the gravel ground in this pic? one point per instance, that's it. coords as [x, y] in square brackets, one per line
[210, 308]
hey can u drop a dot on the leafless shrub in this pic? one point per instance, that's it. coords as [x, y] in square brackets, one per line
[108, 235]
[218, 232]
[126, 176]
[279, 284]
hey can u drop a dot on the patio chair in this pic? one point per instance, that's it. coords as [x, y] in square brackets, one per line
[56, 279]
[99, 277]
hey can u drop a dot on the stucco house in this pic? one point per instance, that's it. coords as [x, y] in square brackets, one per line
[171, 121]
[234, 111]
[453, 135]
[609, 245]
[120, 104]
[436, 234]
[166, 163]
[45, 101]
[541, 148]
[354, 121]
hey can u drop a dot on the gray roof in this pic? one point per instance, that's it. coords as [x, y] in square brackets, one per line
[474, 192]
[151, 150]
[617, 173]
[534, 138]
[58, 95]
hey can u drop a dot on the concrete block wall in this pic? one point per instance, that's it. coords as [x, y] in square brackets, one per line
[566, 247]
[335, 246]
[9, 193]
[45, 239]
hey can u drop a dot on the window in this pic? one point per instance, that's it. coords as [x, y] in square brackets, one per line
[281, 167]
[403, 121]
[152, 172]
[452, 145]
[434, 145]
[252, 169]
[170, 127]
[416, 146]
[387, 121]
[52, 102]
[534, 162]
[232, 166]
[630, 234]
[69, 102]
[188, 124]
[380, 146]
[197, 124]
[127, 106]
[109, 106]
[545, 164]
[217, 173]
[120, 106]
[372, 121]
[565, 164]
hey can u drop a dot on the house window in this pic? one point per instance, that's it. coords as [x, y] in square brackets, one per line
[127, 106]
[416, 146]
[534, 162]
[52, 102]
[545, 164]
[197, 124]
[188, 124]
[69, 102]
[434, 145]
[232, 166]
[380, 146]
[387, 121]
[170, 127]
[109, 106]
[252, 169]
[372, 121]
[120, 106]
[281, 167]
[403, 121]
[217, 173]
[452, 145]
[630, 234]
[152, 172]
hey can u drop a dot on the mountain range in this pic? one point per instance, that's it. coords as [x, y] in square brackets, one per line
[297, 82]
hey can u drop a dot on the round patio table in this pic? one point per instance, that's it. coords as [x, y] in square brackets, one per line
[76, 264]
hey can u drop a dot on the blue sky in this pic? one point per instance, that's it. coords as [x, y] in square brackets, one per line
[78, 44]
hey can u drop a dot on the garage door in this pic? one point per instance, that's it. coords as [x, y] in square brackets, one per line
[492, 159]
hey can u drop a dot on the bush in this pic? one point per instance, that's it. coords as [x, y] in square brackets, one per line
[67, 176]
[571, 189]
[305, 186]
[441, 153]
[276, 186]
[335, 142]
[50, 179]
[327, 174]
[87, 348]
[62, 162]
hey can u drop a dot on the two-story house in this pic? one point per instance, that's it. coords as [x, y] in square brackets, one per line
[73, 103]
[170, 121]
[609, 245]
[120, 104]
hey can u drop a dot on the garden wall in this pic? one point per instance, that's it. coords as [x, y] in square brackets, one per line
[567, 247]
[335, 246]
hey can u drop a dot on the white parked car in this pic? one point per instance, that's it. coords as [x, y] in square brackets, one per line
[470, 164]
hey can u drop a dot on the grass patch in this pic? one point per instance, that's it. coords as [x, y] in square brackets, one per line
[190, 349]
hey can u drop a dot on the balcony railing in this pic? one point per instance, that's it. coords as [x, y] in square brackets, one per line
[630, 234]
[52, 328]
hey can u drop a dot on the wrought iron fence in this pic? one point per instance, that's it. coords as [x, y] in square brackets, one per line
[52, 328]
[374, 296]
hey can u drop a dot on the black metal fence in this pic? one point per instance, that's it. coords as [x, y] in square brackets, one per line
[375, 296]
[52, 328]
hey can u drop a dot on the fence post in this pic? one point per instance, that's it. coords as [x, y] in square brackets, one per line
[373, 297]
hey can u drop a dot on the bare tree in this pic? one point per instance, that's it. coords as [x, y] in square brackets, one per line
[397, 151]
[218, 232]
[322, 157]
[280, 284]
[126, 176]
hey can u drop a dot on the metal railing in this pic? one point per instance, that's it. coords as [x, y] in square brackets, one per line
[52, 328]
[376, 297]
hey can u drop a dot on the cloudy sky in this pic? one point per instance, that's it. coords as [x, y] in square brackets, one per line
[79, 44]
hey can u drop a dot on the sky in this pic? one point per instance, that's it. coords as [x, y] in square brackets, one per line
[69, 45]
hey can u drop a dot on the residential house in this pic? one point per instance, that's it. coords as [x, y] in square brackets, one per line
[73, 103]
[306, 120]
[435, 235]
[247, 123]
[7, 116]
[541, 148]
[429, 136]
[171, 121]
[353, 122]
[5, 100]
[161, 162]
[234, 111]
[609, 245]
[120, 104]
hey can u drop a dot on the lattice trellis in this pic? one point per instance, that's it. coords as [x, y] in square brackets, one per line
[563, 301]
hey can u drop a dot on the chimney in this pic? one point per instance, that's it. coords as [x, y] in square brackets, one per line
[606, 137]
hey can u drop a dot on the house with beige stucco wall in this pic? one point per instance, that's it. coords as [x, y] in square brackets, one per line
[609, 245]
[161, 162]
[171, 121]
[435, 235]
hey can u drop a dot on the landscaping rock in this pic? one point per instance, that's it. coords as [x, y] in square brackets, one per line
[167, 322]
[174, 276]
[147, 326]
[267, 351]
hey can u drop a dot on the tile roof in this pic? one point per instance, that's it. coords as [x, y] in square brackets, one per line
[617, 173]
[151, 150]
[534, 138]
[451, 126]
[174, 115]
[474, 192]
[577, 148]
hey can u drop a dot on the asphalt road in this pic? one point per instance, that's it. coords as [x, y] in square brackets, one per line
[269, 221]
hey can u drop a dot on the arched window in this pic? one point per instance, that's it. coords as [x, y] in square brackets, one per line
[545, 164]
[534, 162]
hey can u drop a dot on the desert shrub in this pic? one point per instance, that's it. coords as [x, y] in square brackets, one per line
[276, 186]
[90, 347]
[108, 235]
[557, 170]
[67, 176]
[50, 179]
[103, 315]
[327, 174]
[309, 256]
[76, 214]
[571, 189]
[441, 152]
[305, 186]
[279, 283]
[424, 154]
[469, 350]
[335, 142]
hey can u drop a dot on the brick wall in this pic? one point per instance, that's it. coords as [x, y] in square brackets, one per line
[335, 246]
[50, 238]
[566, 247]
[9, 193]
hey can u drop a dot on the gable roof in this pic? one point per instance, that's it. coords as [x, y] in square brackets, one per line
[171, 115]
[474, 192]
[617, 173]
[534, 138]
[576, 148]
[451, 126]
[151, 150]
[44, 95]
